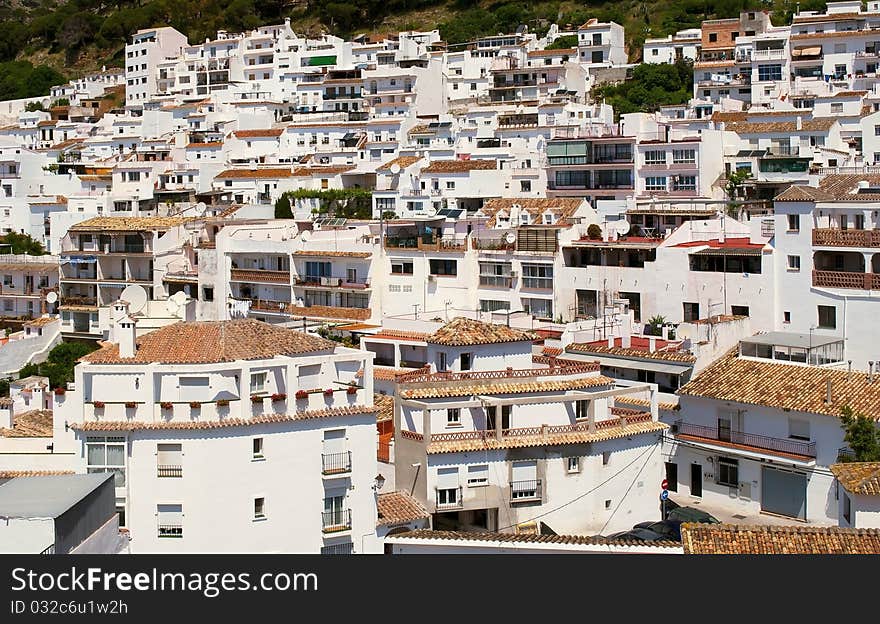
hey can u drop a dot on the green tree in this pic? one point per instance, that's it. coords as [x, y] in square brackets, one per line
[22, 244]
[563, 43]
[861, 435]
[282, 208]
[60, 363]
[735, 189]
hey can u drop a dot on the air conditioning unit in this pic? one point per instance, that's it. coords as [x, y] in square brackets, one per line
[331, 281]
[325, 281]
[432, 278]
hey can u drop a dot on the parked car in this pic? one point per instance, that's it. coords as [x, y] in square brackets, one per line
[638, 534]
[670, 529]
[691, 514]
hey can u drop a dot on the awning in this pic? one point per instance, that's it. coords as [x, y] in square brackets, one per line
[807, 51]
[79, 260]
[729, 251]
[657, 366]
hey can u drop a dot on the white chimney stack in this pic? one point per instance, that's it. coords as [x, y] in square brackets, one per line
[665, 332]
[652, 344]
[125, 336]
[610, 342]
[626, 331]
[6, 415]
[799, 124]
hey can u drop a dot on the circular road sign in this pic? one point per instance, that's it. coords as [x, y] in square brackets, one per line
[664, 484]
[664, 494]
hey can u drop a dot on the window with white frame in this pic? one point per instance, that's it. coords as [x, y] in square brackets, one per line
[169, 460]
[258, 382]
[655, 183]
[728, 472]
[106, 454]
[524, 479]
[684, 156]
[794, 263]
[573, 464]
[453, 416]
[478, 475]
[258, 448]
[684, 183]
[169, 519]
[655, 157]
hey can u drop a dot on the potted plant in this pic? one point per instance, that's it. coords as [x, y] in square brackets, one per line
[302, 394]
[195, 404]
[166, 405]
[222, 402]
[130, 404]
[278, 396]
[99, 404]
[328, 392]
[59, 391]
[256, 398]
[351, 390]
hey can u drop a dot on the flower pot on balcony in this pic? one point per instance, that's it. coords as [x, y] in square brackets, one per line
[60, 391]
[302, 394]
[222, 402]
[351, 390]
[130, 404]
[328, 392]
[195, 404]
[167, 405]
[279, 396]
[99, 404]
[256, 399]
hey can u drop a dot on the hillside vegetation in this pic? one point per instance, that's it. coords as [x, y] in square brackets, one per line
[76, 36]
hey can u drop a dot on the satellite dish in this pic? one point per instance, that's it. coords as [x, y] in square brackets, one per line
[176, 302]
[136, 296]
[395, 169]
[431, 211]
[52, 297]
[201, 207]
[510, 238]
[306, 235]
[620, 226]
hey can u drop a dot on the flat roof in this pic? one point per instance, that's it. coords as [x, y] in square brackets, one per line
[791, 339]
[47, 496]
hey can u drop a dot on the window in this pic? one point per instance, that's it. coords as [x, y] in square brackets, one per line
[655, 183]
[258, 448]
[343, 548]
[465, 361]
[728, 472]
[540, 308]
[859, 221]
[691, 311]
[478, 475]
[606, 457]
[739, 310]
[258, 382]
[7, 280]
[684, 183]
[443, 267]
[447, 487]
[453, 416]
[260, 508]
[450, 185]
[169, 460]
[798, 429]
[524, 480]
[170, 520]
[655, 157]
[525, 186]
[847, 509]
[769, 72]
[837, 107]
[573, 465]
[106, 454]
[844, 222]
[608, 503]
[537, 276]
[794, 223]
[786, 317]
[684, 156]
[492, 305]
[207, 294]
[713, 37]
[441, 361]
[672, 476]
[839, 71]
[827, 317]
[794, 263]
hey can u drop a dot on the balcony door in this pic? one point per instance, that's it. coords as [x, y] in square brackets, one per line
[334, 504]
[729, 424]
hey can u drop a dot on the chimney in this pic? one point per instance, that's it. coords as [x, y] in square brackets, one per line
[665, 332]
[652, 344]
[6, 415]
[626, 331]
[799, 124]
[125, 336]
[870, 371]
[611, 342]
[828, 392]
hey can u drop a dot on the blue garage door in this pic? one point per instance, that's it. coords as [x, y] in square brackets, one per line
[784, 492]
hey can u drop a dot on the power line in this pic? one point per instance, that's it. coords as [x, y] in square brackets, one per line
[623, 498]
[587, 493]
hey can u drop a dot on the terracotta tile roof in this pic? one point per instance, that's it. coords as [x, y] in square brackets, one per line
[461, 332]
[402, 161]
[785, 386]
[613, 430]
[628, 400]
[563, 207]
[388, 373]
[421, 129]
[42, 321]
[258, 134]
[255, 174]
[846, 94]
[670, 356]
[263, 419]
[214, 341]
[399, 507]
[459, 166]
[201, 145]
[844, 187]
[130, 224]
[551, 351]
[447, 389]
[732, 539]
[802, 193]
[827, 35]
[14, 474]
[47, 122]
[352, 314]
[332, 254]
[67, 143]
[400, 334]
[528, 538]
[357, 327]
[707, 64]
[556, 52]
[29, 267]
[859, 477]
[30, 424]
[384, 406]
[820, 124]
[331, 170]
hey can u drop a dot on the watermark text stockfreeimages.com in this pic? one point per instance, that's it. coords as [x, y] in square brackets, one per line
[209, 584]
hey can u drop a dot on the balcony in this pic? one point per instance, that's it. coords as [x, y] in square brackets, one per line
[170, 530]
[332, 282]
[169, 471]
[448, 498]
[89, 302]
[784, 151]
[336, 520]
[846, 279]
[426, 243]
[525, 491]
[336, 463]
[759, 442]
[260, 276]
[832, 237]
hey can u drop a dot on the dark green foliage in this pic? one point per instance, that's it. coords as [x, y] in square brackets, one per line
[594, 231]
[20, 79]
[34, 106]
[21, 244]
[4, 386]
[651, 86]
[861, 435]
[60, 363]
[354, 203]
[282, 208]
[564, 43]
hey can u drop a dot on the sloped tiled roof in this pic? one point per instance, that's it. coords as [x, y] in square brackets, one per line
[800, 193]
[844, 187]
[670, 356]
[319, 253]
[819, 124]
[563, 207]
[130, 224]
[402, 161]
[398, 507]
[255, 174]
[785, 386]
[14, 474]
[258, 134]
[443, 390]
[463, 331]
[859, 477]
[30, 424]
[329, 170]
[732, 539]
[384, 405]
[530, 538]
[214, 341]
[459, 166]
